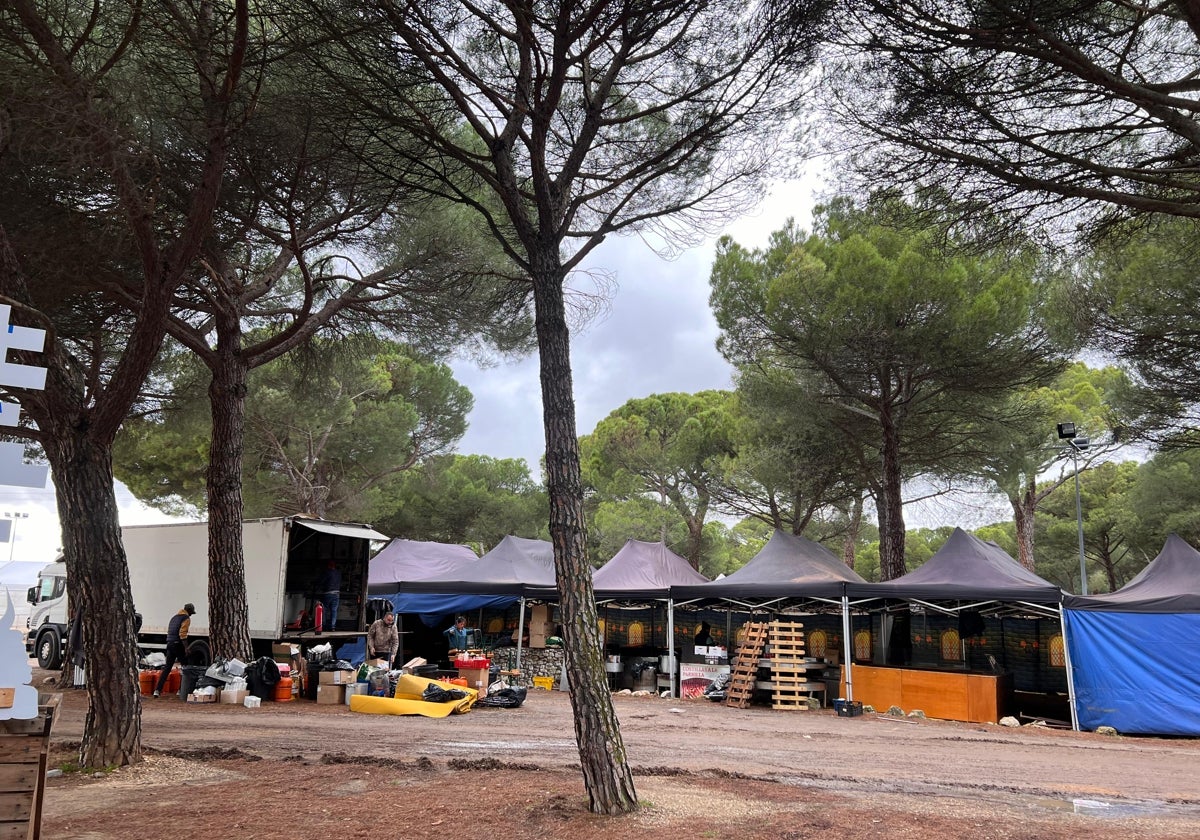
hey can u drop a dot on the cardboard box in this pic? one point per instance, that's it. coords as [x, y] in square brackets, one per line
[329, 695]
[287, 651]
[539, 615]
[477, 678]
[234, 695]
[336, 678]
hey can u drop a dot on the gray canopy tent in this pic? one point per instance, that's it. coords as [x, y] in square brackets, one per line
[641, 572]
[517, 567]
[967, 574]
[789, 571]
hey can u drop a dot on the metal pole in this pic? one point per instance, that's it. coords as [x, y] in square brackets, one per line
[847, 647]
[1083, 584]
[520, 633]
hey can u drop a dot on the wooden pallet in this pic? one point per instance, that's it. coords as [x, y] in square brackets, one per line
[791, 691]
[745, 666]
[787, 640]
[790, 686]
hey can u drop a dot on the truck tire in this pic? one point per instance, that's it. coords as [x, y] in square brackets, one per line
[199, 653]
[49, 650]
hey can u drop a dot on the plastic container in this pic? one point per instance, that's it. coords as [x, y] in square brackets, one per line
[283, 690]
[174, 680]
[543, 682]
[147, 680]
[847, 708]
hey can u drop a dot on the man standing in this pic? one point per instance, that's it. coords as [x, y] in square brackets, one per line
[329, 591]
[383, 640]
[177, 632]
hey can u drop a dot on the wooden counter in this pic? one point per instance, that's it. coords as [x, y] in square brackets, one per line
[947, 695]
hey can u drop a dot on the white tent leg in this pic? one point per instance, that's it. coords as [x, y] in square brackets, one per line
[520, 632]
[671, 643]
[1062, 620]
[847, 647]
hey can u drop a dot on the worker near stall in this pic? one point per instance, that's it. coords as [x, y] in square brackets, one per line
[177, 633]
[457, 635]
[328, 588]
[703, 636]
[383, 639]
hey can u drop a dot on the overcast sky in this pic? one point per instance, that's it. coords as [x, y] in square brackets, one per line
[658, 336]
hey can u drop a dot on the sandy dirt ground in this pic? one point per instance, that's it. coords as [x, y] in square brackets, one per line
[300, 770]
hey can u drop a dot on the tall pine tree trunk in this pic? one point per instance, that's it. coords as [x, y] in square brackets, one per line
[1024, 507]
[229, 623]
[606, 774]
[92, 550]
[850, 542]
[891, 501]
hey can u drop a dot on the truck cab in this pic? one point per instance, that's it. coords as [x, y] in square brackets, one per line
[48, 620]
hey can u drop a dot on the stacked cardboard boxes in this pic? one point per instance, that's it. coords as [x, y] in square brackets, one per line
[540, 626]
[331, 686]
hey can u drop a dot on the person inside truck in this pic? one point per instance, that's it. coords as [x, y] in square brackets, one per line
[177, 632]
[329, 591]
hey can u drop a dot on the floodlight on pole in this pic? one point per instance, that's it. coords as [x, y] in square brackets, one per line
[1067, 432]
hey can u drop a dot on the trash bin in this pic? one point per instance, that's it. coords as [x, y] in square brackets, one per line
[188, 675]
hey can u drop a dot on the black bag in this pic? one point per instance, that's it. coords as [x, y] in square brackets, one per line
[262, 675]
[434, 693]
[505, 698]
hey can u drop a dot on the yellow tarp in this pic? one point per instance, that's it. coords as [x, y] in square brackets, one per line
[408, 700]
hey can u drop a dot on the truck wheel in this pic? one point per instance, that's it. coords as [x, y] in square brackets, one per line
[199, 653]
[49, 650]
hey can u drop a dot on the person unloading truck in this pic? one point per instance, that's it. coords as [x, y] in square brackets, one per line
[177, 632]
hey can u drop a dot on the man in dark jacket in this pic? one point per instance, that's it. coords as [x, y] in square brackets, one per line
[177, 632]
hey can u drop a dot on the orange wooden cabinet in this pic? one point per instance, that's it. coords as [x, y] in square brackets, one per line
[947, 695]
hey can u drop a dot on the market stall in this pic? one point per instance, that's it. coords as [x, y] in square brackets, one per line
[793, 576]
[965, 582]
[644, 573]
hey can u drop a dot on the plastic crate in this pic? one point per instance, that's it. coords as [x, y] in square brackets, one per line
[847, 708]
[543, 682]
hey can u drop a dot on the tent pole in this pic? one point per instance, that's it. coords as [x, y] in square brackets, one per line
[671, 642]
[520, 633]
[847, 646]
[1062, 619]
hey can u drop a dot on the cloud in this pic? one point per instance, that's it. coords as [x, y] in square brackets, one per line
[658, 336]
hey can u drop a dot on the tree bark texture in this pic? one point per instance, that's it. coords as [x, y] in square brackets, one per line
[229, 622]
[891, 500]
[92, 550]
[1024, 507]
[606, 773]
[849, 544]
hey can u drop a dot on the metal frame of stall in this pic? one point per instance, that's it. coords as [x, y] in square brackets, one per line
[999, 609]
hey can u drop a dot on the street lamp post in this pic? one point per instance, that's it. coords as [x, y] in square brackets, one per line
[1066, 431]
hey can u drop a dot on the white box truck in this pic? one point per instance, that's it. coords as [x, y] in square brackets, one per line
[168, 567]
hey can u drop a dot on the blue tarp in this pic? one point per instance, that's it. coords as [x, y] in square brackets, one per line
[433, 608]
[1136, 672]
